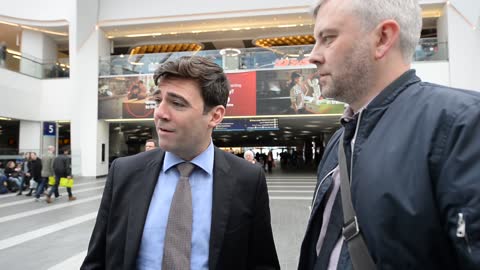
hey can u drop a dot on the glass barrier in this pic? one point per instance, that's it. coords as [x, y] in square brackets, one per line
[34, 67]
[429, 49]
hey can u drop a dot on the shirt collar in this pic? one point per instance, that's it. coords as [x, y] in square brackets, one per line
[349, 114]
[204, 160]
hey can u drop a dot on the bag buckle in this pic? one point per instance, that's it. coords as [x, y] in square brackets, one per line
[350, 229]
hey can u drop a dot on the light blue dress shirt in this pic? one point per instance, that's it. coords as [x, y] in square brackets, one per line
[201, 181]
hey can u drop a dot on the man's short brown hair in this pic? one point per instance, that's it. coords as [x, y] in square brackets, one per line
[214, 85]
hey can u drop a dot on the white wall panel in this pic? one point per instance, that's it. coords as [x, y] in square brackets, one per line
[433, 72]
[30, 136]
[24, 97]
[124, 10]
[464, 51]
[33, 10]
[56, 100]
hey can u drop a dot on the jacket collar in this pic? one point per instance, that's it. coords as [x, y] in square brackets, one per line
[223, 184]
[374, 110]
[140, 196]
[394, 89]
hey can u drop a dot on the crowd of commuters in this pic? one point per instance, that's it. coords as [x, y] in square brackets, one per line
[31, 175]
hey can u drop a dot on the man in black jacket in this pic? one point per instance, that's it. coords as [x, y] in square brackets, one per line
[62, 169]
[35, 171]
[411, 147]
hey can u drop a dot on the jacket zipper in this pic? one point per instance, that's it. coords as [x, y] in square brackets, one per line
[351, 163]
[461, 230]
[319, 185]
[353, 145]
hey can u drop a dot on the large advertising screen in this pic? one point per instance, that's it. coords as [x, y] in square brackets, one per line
[261, 92]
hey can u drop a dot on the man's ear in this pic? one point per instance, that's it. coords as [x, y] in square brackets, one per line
[216, 115]
[387, 35]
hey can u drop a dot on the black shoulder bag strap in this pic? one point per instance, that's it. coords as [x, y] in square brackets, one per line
[361, 259]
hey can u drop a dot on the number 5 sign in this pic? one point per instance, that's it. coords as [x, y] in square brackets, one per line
[49, 128]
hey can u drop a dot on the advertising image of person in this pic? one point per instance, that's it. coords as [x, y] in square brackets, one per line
[137, 91]
[317, 93]
[297, 93]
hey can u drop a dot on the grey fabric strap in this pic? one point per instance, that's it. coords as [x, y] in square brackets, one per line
[361, 259]
[178, 236]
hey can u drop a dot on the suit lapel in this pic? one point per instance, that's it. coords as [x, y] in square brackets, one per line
[140, 197]
[223, 184]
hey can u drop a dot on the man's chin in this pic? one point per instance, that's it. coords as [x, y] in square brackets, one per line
[328, 93]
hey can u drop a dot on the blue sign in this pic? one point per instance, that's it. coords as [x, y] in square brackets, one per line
[261, 124]
[49, 128]
[231, 125]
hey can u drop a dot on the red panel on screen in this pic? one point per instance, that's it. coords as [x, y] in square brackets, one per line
[243, 97]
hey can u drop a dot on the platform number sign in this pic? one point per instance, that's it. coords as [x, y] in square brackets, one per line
[49, 128]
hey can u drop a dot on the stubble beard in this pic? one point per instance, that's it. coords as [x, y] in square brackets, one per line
[352, 80]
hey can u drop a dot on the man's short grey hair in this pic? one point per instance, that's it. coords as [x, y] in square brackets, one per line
[407, 13]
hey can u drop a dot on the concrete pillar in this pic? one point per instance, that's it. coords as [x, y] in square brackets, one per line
[37, 49]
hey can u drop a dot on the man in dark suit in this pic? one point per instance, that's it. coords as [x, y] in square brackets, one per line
[231, 226]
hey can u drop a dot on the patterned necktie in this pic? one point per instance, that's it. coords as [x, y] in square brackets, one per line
[178, 236]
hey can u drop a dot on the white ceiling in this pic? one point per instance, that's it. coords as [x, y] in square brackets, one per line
[221, 32]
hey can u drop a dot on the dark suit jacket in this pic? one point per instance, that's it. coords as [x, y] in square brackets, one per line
[241, 234]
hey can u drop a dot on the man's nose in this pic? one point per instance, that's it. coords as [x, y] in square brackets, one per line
[161, 111]
[317, 56]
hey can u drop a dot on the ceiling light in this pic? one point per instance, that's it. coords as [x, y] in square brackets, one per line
[44, 31]
[13, 52]
[144, 35]
[230, 52]
[8, 23]
[164, 48]
[285, 41]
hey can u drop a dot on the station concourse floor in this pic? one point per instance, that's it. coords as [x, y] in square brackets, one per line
[41, 236]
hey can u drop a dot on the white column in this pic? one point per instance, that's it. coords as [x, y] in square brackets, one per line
[85, 43]
[102, 144]
[463, 48]
[103, 131]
